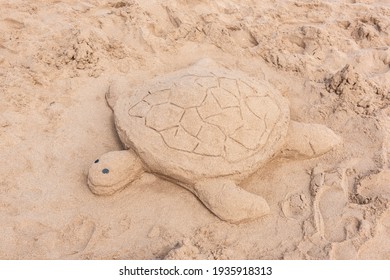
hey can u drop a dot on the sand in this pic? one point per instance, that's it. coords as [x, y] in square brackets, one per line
[330, 59]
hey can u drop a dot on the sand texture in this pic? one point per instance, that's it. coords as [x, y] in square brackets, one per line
[58, 58]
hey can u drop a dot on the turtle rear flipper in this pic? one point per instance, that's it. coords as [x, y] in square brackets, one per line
[230, 202]
[307, 140]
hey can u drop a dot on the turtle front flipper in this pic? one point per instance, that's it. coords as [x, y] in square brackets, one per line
[230, 202]
[307, 140]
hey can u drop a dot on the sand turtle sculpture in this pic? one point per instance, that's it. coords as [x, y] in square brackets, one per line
[204, 128]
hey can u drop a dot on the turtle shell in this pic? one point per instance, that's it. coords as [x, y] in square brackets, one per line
[201, 123]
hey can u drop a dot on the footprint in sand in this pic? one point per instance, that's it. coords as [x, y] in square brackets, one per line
[335, 220]
[296, 206]
[76, 235]
[45, 241]
[117, 227]
[353, 221]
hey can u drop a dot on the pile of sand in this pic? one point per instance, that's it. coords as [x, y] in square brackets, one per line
[330, 59]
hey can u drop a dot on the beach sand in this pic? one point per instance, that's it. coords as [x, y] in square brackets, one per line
[330, 59]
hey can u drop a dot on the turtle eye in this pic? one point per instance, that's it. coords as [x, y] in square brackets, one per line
[105, 171]
[96, 161]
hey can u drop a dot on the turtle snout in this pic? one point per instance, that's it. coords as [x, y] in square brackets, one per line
[112, 172]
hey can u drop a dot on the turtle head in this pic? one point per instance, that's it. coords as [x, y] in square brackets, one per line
[113, 171]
